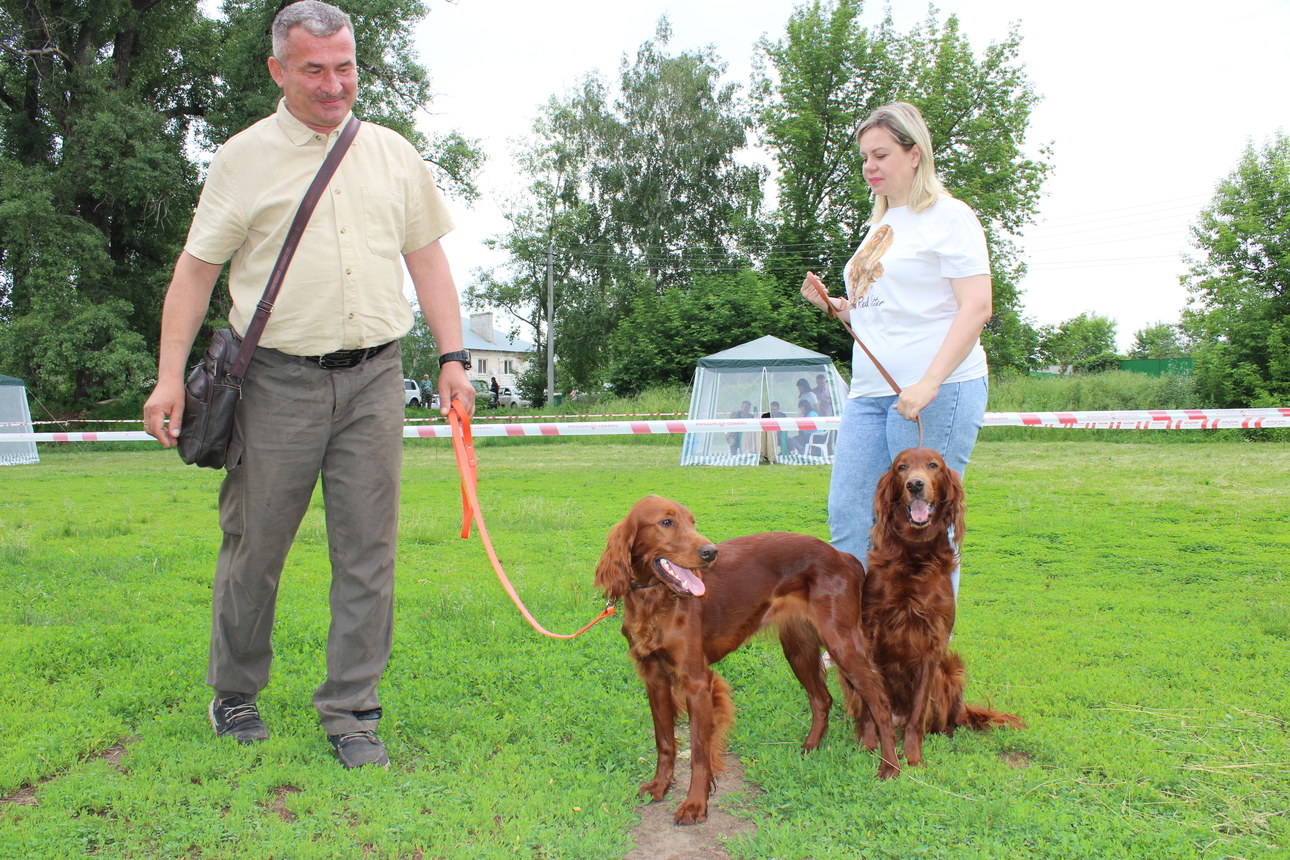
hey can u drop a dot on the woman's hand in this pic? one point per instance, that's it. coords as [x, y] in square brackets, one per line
[814, 291]
[915, 397]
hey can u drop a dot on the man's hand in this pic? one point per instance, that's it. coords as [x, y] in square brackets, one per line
[453, 382]
[167, 399]
[187, 299]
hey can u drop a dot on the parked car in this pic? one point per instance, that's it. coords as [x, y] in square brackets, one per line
[507, 396]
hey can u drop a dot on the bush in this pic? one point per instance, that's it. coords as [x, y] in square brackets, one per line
[1116, 389]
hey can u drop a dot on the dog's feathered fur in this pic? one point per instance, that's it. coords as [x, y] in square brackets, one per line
[909, 602]
[688, 603]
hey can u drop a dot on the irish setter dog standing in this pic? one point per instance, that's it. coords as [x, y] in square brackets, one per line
[687, 603]
[909, 602]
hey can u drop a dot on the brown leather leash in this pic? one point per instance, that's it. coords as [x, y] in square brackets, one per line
[828, 304]
[464, 447]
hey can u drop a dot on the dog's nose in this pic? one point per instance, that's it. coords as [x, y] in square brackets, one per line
[915, 485]
[707, 552]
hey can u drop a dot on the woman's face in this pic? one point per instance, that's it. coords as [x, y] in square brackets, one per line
[888, 167]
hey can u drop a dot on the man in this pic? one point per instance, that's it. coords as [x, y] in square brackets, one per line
[427, 390]
[323, 394]
[735, 440]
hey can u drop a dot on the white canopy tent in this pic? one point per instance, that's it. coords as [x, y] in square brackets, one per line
[765, 373]
[15, 417]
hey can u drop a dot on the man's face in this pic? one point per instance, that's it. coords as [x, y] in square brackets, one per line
[319, 78]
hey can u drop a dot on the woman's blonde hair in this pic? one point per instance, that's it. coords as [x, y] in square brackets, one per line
[905, 123]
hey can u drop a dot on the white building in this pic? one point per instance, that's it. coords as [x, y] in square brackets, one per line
[492, 352]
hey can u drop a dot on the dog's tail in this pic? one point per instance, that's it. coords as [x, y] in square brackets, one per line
[982, 719]
[979, 718]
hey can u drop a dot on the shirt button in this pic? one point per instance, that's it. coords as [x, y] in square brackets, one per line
[344, 230]
[349, 271]
[337, 190]
[351, 316]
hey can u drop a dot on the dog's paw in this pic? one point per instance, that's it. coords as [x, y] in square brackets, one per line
[888, 770]
[656, 790]
[692, 812]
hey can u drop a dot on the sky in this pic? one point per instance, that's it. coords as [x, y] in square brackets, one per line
[1147, 106]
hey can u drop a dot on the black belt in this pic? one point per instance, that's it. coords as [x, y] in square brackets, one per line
[346, 357]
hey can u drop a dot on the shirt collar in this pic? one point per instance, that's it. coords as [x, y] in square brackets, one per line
[299, 133]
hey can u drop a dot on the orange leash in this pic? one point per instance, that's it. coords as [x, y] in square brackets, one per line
[464, 447]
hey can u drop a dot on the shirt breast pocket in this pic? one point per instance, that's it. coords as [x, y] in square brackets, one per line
[383, 221]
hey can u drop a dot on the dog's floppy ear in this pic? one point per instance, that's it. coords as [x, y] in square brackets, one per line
[883, 501]
[955, 505]
[614, 572]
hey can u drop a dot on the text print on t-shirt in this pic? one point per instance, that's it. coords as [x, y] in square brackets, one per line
[865, 268]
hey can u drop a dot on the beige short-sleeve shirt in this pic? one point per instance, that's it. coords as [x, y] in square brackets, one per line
[344, 288]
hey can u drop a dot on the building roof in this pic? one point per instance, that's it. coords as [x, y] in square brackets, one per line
[500, 342]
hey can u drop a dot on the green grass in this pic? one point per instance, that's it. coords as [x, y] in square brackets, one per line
[1129, 601]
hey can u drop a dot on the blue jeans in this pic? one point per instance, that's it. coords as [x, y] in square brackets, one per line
[873, 433]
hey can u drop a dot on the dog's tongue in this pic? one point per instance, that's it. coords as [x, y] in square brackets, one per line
[920, 511]
[682, 580]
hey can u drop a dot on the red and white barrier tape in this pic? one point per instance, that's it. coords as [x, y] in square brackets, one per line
[1153, 419]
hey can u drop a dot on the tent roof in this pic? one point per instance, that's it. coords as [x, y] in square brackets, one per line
[765, 351]
[9, 380]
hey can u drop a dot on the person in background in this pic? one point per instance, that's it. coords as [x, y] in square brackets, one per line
[323, 395]
[823, 397]
[804, 392]
[798, 442]
[496, 391]
[918, 296]
[427, 390]
[735, 440]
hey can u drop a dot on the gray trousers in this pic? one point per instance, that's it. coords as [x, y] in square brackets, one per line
[297, 421]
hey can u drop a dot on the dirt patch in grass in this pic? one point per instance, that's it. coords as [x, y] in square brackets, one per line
[26, 796]
[1017, 760]
[658, 838]
[279, 804]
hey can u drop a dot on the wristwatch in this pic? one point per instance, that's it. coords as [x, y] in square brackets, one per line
[462, 355]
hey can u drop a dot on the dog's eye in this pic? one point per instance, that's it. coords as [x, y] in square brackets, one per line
[933, 465]
[666, 523]
[902, 467]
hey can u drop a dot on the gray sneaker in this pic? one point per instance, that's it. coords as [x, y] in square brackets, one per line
[356, 749]
[234, 718]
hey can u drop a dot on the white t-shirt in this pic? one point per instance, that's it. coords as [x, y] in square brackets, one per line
[907, 311]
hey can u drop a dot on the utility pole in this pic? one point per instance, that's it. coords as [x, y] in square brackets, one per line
[550, 316]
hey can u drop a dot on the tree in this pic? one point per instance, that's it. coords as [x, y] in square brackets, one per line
[1161, 340]
[102, 103]
[1084, 343]
[1238, 311]
[666, 333]
[420, 353]
[99, 99]
[637, 185]
[815, 85]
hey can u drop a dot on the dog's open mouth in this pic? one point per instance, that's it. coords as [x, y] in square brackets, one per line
[920, 512]
[680, 579]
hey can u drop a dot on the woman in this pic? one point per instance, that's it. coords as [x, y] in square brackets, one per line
[804, 392]
[918, 295]
[805, 409]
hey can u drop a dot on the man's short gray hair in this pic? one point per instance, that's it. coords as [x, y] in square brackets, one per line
[317, 17]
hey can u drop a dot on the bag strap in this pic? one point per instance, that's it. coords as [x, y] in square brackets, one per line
[251, 339]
